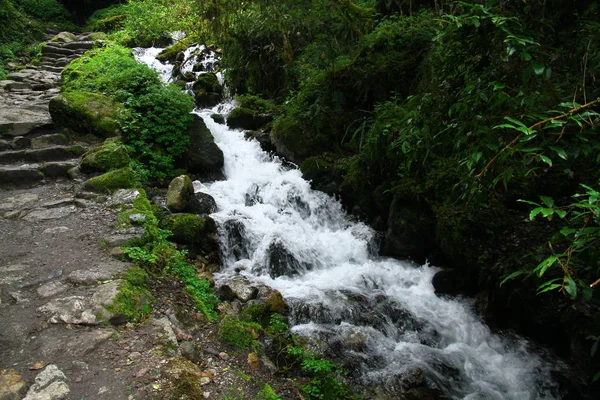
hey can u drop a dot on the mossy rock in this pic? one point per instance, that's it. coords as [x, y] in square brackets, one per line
[238, 333]
[109, 23]
[207, 90]
[246, 118]
[87, 113]
[188, 228]
[294, 142]
[323, 172]
[124, 178]
[105, 158]
[170, 53]
[203, 160]
[184, 380]
[218, 118]
[64, 37]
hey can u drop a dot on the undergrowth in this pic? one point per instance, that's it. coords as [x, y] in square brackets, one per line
[159, 257]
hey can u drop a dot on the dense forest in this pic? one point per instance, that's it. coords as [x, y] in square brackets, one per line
[466, 132]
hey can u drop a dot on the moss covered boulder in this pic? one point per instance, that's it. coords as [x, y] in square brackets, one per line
[170, 53]
[186, 380]
[296, 142]
[87, 113]
[207, 90]
[189, 228]
[123, 178]
[105, 158]
[203, 160]
[246, 118]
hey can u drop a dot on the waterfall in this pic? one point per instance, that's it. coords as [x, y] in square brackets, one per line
[380, 317]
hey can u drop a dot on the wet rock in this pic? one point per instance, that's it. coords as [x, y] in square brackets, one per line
[122, 197]
[208, 92]
[277, 303]
[218, 118]
[48, 214]
[448, 282]
[202, 203]
[51, 289]
[68, 310]
[49, 385]
[11, 384]
[180, 193]
[235, 234]
[89, 276]
[236, 288]
[49, 140]
[281, 262]
[245, 118]
[203, 160]
[263, 139]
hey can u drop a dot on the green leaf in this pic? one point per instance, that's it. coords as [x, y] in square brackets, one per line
[545, 159]
[534, 212]
[549, 201]
[533, 203]
[571, 287]
[512, 276]
[560, 213]
[538, 68]
[596, 377]
[525, 56]
[548, 288]
[560, 152]
[544, 265]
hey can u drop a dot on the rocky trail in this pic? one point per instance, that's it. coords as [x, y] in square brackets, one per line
[60, 268]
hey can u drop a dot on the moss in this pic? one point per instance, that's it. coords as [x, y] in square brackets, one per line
[170, 53]
[241, 117]
[184, 377]
[123, 178]
[85, 112]
[105, 158]
[238, 333]
[267, 393]
[296, 141]
[188, 228]
[207, 90]
[133, 300]
[258, 312]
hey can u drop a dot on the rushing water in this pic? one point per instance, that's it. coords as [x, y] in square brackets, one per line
[379, 316]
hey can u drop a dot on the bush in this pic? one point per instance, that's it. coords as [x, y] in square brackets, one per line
[47, 10]
[156, 125]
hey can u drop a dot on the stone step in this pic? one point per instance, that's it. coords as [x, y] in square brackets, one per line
[23, 122]
[54, 49]
[51, 68]
[49, 140]
[55, 153]
[30, 174]
[81, 46]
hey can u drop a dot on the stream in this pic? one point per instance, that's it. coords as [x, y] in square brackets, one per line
[379, 317]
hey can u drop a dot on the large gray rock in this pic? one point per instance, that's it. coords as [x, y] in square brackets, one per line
[180, 193]
[49, 385]
[21, 122]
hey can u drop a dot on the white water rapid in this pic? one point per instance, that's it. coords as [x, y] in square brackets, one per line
[379, 316]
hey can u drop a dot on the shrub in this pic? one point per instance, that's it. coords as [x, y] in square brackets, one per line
[47, 10]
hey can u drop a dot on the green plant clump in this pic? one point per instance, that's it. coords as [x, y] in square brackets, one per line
[238, 333]
[155, 126]
[133, 299]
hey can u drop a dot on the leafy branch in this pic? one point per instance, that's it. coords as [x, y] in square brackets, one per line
[529, 131]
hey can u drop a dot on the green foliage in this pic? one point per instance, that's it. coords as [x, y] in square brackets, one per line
[133, 299]
[159, 257]
[155, 128]
[267, 393]
[238, 333]
[579, 262]
[47, 10]
[142, 22]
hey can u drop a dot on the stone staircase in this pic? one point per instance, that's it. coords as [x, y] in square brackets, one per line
[32, 149]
